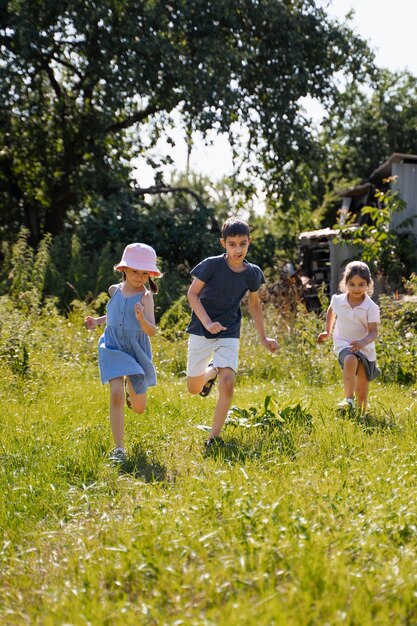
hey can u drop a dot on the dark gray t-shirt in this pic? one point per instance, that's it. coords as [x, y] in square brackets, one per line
[222, 294]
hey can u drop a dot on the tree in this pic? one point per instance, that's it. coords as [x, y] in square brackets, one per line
[368, 124]
[80, 81]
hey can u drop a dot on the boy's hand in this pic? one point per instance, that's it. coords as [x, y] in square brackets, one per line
[270, 344]
[214, 327]
[322, 337]
[90, 322]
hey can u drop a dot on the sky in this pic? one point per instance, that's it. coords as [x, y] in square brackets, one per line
[387, 26]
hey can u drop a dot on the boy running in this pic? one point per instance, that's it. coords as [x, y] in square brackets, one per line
[219, 285]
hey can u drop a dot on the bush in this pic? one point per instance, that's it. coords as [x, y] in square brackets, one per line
[397, 341]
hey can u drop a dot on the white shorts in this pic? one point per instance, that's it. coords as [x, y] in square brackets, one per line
[224, 351]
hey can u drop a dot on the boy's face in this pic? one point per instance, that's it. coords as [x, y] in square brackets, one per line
[236, 248]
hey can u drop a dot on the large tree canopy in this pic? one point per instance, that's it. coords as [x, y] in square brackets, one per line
[76, 76]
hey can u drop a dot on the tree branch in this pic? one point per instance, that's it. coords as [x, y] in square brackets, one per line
[54, 83]
[140, 116]
[155, 190]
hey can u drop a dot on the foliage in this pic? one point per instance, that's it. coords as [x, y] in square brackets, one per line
[285, 421]
[397, 341]
[368, 124]
[384, 249]
[175, 319]
[410, 284]
[28, 272]
[85, 88]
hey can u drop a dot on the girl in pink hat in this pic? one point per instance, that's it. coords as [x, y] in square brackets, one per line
[124, 349]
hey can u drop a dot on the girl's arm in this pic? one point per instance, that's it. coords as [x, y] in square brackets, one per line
[255, 309]
[369, 338]
[91, 322]
[193, 296]
[145, 314]
[330, 320]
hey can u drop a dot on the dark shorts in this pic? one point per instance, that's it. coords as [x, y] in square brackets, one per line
[371, 368]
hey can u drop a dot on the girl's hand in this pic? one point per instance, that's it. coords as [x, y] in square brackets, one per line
[322, 337]
[90, 322]
[270, 344]
[139, 311]
[355, 346]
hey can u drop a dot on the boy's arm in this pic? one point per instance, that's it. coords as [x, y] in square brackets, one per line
[330, 320]
[193, 296]
[369, 338]
[255, 309]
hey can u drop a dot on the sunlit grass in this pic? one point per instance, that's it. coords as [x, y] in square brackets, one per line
[321, 531]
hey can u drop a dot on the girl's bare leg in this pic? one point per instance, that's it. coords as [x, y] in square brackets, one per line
[137, 400]
[350, 366]
[361, 388]
[117, 405]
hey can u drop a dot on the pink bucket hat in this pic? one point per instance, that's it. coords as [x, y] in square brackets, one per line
[139, 256]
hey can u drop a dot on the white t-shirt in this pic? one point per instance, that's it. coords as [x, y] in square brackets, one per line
[352, 323]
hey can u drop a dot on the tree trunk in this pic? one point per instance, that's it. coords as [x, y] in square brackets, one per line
[57, 211]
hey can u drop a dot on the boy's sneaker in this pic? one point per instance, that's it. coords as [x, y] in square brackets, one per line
[214, 441]
[118, 456]
[346, 404]
[209, 384]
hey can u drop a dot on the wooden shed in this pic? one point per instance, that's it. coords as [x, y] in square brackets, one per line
[321, 261]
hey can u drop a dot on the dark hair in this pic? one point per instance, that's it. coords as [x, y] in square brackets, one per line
[152, 284]
[357, 268]
[233, 227]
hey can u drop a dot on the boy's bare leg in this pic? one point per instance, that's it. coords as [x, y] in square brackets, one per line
[196, 383]
[350, 366]
[226, 387]
[361, 388]
[117, 414]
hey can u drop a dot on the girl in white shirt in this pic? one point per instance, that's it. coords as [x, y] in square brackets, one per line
[355, 318]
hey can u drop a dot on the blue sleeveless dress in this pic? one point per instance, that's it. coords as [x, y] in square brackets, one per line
[124, 349]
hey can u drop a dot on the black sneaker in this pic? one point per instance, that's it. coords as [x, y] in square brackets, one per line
[214, 441]
[209, 384]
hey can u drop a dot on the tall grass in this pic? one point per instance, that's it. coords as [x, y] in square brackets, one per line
[303, 517]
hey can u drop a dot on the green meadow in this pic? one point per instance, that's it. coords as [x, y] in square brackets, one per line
[304, 517]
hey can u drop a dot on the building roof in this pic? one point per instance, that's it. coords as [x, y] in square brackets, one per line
[359, 190]
[384, 170]
[381, 172]
[313, 234]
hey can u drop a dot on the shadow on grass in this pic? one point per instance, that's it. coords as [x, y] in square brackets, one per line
[369, 421]
[230, 450]
[234, 450]
[140, 466]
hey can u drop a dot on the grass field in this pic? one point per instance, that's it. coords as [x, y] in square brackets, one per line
[304, 517]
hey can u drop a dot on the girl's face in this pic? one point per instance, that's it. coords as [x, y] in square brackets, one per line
[136, 278]
[356, 287]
